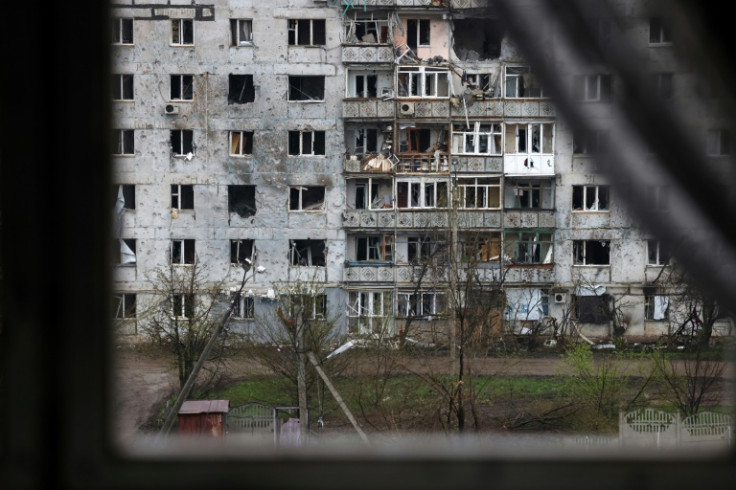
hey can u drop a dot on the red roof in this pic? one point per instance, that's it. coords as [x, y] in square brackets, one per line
[204, 406]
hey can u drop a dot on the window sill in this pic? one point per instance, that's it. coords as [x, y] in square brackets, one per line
[124, 155]
[309, 101]
[123, 44]
[307, 156]
[591, 211]
[181, 45]
[607, 266]
[123, 100]
[248, 155]
[243, 45]
[308, 46]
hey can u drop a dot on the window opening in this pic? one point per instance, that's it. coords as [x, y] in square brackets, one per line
[417, 33]
[593, 88]
[241, 199]
[369, 312]
[241, 32]
[306, 88]
[479, 193]
[591, 252]
[182, 252]
[124, 251]
[481, 247]
[590, 197]
[529, 195]
[241, 143]
[123, 142]
[420, 305]
[422, 249]
[182, 306]
[371, 194]
[421, 81]
[124, 196]
[422, 194]
[656, 307]
[241, 251]
[306, 32]
[592, 309]
[245, 308]
[482, 139]
[374, 248]
[590, 142]
[122, 87]
[182, 196]
[182, 32]
[306, 198]
[477, 39]
[529, 247]
[658, 253]
[521, 82]
[122, 31]
[182, 87]
[662, 85]
[308, 252]
[659, 32]
[124, 306]
[182, 142]
[240, 89]
[306, 143]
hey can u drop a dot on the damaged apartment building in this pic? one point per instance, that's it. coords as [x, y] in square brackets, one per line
[368, 146]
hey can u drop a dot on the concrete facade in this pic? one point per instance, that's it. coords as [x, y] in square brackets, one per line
[368, 130]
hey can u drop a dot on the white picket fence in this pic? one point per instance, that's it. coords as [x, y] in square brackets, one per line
[653, 427]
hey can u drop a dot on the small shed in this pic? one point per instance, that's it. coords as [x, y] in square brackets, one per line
[203, 418]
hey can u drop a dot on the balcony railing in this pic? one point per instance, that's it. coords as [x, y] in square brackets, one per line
[424, 163]
[376, 108]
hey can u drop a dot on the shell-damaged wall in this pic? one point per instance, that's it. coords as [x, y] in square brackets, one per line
[153, 167]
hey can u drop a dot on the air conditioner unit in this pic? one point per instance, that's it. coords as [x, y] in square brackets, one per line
[560, 298]
[171, 109]
[387, 92]
[406, 108]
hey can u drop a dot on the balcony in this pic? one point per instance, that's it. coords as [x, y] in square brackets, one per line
[423, 163]
[523, 164]
[367, 109]
[535, 274]
[423, 108]
[404, 273]
[483, 164]
[367, 53]
[368, 163]
[528, 108]
[363, 218]
[479, 219]
[529, 218]
[479, 108]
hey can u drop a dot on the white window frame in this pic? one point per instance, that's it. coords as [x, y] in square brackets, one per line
[181, 80]
[375, 306]
[300, 204]
[294, 25]
[592, 87]
[422, 79]
[371, 202]
[244, 308]
[480, 80]
[183, 299]
[533, 243]
[237, 147]
[317, 302]
[176, 191]
[310, 150]
[310, 259]
[121, 137]
[596, 191]
[651, 309]
[184, 244]
[239, 242]
[428, 193]
[576, 244]
[119, 80]
[238, 35]
[178, 37]
[122, 310]
[514, 77]
[480, 187]
[179, 152]
[118, 31]
[424, 248]
[659, 32]
[372, 26]
[468, 142]
[427, 310]
[362, 134]
[528, 137]
[531, 187]
[418, 41]
[378, 248]
[656, 256]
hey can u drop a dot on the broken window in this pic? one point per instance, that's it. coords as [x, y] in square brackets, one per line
[662, 85]
[477, 39]
[122, 87]
[591, 309]
[590, 197]
[521, 82]
[419, 305]
[374, 248]
[364, 83]
[479, 193]
[244, 308]
[241, 199]
[182, 196]
[659, 32]
[529, 247]
[481, 247]
[124, 306]
[123, 251]
[717, 142]
[417, 33]
[182, 32]
[241, 143]
[424, 249]
[422, 193]
[533, 138]
[480, 139]
[122, 31]
[366, 30]
[307, 306]
[123, 142]
[532, 194]
[482, 81]
[526, 305]
[422, 81]
[369, 311]
[370, 194]
[591, 252]
[306, 88]
[365, 141]
[240, 89]
[593, 88]
[182, 87]
[182, 142]
[306, 143]
[306, 32]
[182, 251]
[658, 197]
[590, 142]
[182, 306]
[241, 251]
[241, 32]
[307, 252]
[657, 253]
[124, 196]
[656, 307]
[306, 198]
